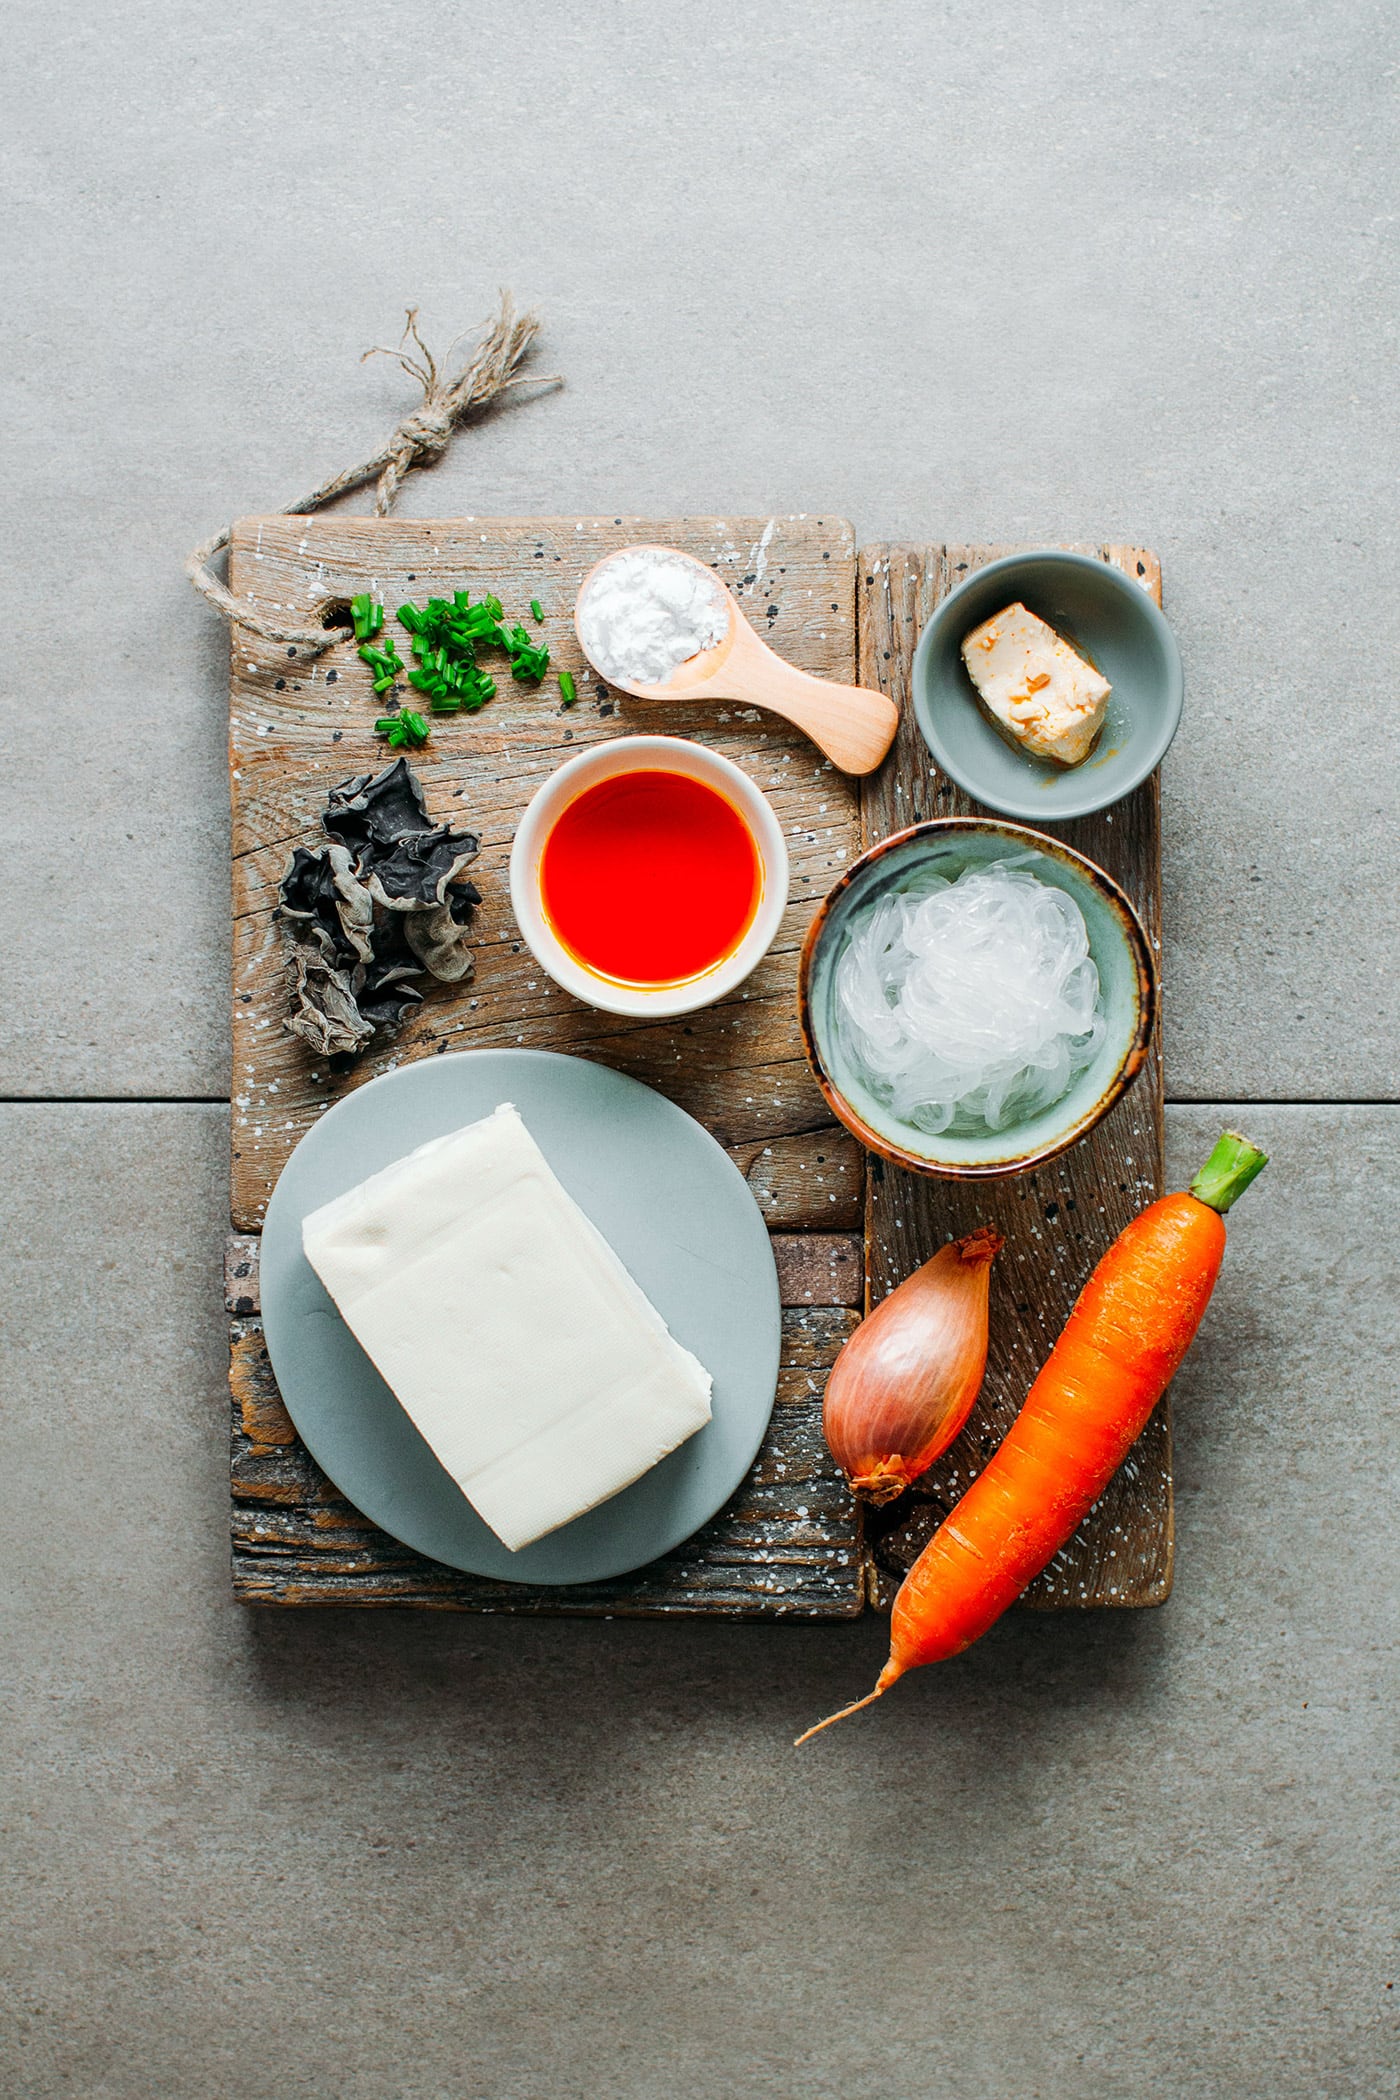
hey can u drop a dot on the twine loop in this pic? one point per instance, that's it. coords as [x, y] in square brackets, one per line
[420, 439]
[425, 435]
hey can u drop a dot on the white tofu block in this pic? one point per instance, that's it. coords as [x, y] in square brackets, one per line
[1035, 687]
[506, 1327]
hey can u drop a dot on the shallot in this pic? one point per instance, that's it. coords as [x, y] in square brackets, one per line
[905, 1382]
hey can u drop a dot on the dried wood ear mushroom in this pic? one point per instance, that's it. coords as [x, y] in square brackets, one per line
[371, 911]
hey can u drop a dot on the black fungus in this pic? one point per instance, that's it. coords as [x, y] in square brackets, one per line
[386, 993]
[374, 809]
[417, 868]
[370, 912]
[311, 896]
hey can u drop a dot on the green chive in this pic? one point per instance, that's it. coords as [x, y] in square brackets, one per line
[367, 616]
[568, 691]
[448, 634]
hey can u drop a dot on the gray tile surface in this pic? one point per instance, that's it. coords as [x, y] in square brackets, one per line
[1013, 273]
[1009, 272]
[419, 1858]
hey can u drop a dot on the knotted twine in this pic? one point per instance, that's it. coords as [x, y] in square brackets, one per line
[422, 437]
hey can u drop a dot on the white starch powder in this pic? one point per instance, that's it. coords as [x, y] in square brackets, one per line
[647, 611]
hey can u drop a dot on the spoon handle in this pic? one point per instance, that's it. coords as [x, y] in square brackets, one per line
[852, 725]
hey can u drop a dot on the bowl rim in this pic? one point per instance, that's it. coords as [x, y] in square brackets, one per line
[661, 754]
[1134, 1058]
[1155, 747]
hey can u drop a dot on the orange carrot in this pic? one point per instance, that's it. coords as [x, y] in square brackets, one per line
[1132, 1324]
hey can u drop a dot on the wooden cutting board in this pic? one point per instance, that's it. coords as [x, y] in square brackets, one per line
[791, 1543]
[1057, 1219]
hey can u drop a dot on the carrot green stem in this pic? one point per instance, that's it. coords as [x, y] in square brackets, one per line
[1229, 1170]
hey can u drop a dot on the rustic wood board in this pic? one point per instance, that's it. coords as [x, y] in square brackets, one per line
[1057, 1219]
[785, 1546]
[789, 1542]
[298, 726]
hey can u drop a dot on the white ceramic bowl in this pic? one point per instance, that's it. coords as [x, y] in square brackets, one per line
[660, 754]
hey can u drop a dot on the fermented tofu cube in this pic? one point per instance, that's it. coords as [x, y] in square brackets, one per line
[508, 1330]
[1035, 687]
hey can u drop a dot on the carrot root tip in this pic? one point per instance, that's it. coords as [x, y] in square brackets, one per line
[886, 1678]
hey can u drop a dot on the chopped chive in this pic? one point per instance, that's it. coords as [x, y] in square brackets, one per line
[367, 616]
[385, 664]
[568, 691]
[447, 636]
[403, 729]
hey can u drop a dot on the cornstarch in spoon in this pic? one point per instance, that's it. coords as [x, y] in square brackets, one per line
[647, 611]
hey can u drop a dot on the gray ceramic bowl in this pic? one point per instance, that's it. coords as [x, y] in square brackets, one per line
[1127, 981]
[1114, 622]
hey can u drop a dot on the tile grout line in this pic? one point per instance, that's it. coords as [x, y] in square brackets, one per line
[114, 1101]
[1172, 1101]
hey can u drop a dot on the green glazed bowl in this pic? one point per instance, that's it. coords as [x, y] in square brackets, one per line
[1109, 618]
[1127, 987]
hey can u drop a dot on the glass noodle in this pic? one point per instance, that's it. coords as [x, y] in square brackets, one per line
[970, 1005]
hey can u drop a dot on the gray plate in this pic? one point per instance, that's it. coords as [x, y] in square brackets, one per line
[681, 1218]
[1110, 619]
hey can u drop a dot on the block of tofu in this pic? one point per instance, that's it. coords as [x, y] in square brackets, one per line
[1037, 689]
[506, 1327]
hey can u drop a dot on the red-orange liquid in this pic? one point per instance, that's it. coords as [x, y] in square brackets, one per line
[650, 877]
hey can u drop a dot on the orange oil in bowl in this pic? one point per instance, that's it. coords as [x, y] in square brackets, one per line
[650, 877]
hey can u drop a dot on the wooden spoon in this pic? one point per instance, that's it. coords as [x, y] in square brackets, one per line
[852, 725]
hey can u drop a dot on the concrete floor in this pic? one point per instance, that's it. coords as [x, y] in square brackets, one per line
[1015, 272]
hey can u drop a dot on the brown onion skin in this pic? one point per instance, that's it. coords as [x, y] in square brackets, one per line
[904, 1384]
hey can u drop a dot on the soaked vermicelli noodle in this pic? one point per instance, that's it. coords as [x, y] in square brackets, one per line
[970, 1005]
